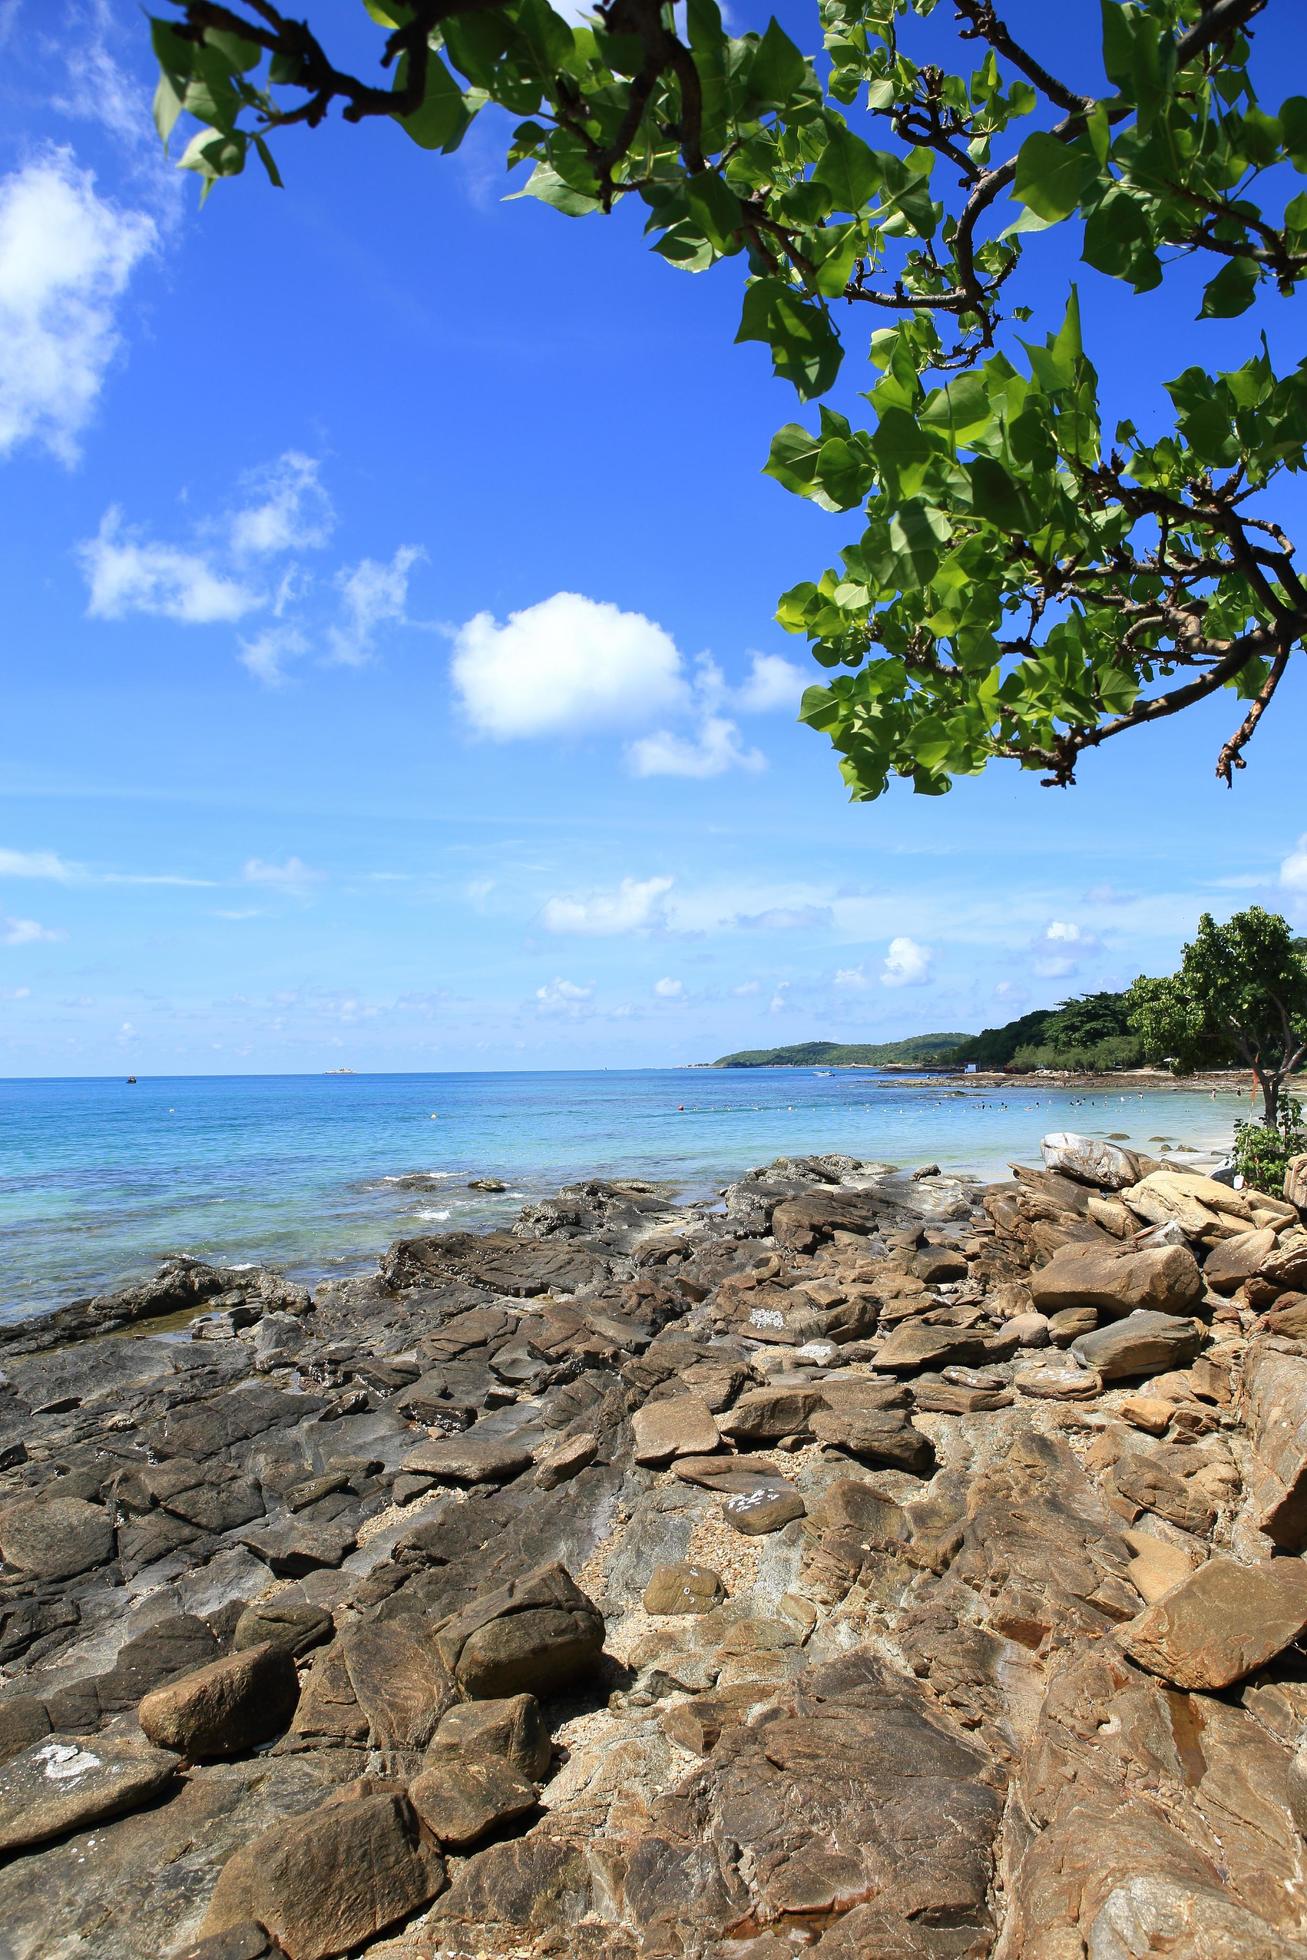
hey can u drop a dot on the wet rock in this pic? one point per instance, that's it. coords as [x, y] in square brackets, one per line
[682, 1425]
[1117, 1280]
[55, 1537]
[757, 1513]
[682, 1588]
[1143, 1343]
[511, 1727]
[535, 1635]
[1220, 1623]
[67, 1783]
[226, 1708]
[462, 1799]
[326, 1883]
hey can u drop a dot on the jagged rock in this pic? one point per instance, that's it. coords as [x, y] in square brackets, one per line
[326, 1883]
[512, 1728]
[876, 1436]
[292, 1624]
[682, 1425]
[1145, 1482]
[1220, 1623]
[400, 1684]
[682, 1588]
[1275, 1394]
[767, 1415]
[64, 1783]
[566, 1461]
[1089, 1161]
[535, 1635]
[1141, 1344]
[55, 1537]
[462, 1799]
[1157, 1564]
[1116, 1280]
[226, 1708]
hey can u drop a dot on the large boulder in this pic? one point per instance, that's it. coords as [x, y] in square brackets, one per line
[1142, 1344]
[226, 1708]
[330, 1881]
[1117, 1280]
[535, 1635]
[462, 1799]
[1287, 1265]
[1199, 1205]
[1090, 1161]
[1220, 1623]
[512, 1728]
[1231, 1261]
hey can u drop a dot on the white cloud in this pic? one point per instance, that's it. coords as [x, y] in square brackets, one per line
[270, 652]
[129, 573]
[715, 749]
[1293, 871]
[16, 993]
[773, 682]
[851, 977]
[746, 989]
[559, 996]
[906, 964]
[634, 906]
[1064, 932]
[292, 876]
[372, 594]
[778, 1002]
[567, 664]
[36, 864]
[27, 932]
[289, 509]
[66, 256]
[1008, 990]
[669, 989]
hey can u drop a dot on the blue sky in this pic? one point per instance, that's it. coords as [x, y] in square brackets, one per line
[389, 670]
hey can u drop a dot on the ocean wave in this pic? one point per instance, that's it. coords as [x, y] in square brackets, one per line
[436, 1217]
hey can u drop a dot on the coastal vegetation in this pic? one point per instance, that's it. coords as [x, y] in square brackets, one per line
[915, 1049]
[1032, 575]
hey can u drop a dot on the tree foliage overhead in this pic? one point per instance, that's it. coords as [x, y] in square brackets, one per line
[1241, 987]
[1026, 583]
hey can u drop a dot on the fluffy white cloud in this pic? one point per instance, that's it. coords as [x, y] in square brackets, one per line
[288, 509]
[569, 664]
[1064, 932]
[851, 977]
[1293, 871]
[27, 932]
[292, 876]
[373, 594]
[669, 989]
[773, 682]
[778, 1002]
[66, 256]
[129, 573]
[715, 749]
[36, 864]
[268, 655]
[907, 964]
[559, 996]
[634, 906]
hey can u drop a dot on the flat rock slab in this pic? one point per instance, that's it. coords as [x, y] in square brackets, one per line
[1220, 1623]
[682, 1425]
[876, 1436]
[64, 1783]
[1144, 1343]
[759, 1512]
[469, 1459]
[727, 1473]
[292, 1550]
[55, 1537]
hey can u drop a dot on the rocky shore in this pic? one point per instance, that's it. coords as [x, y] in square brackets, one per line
[879, 1565]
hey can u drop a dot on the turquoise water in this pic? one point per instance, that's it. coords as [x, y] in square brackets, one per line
[99, 1178]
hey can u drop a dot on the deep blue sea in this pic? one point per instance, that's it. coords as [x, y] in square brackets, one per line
[99, 1178]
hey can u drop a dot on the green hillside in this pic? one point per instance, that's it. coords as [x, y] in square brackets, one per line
[916, 1049]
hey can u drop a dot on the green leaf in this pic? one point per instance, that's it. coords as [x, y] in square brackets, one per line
[167, 108]
[960, 410]
[849, 169]
[793, 463]
[804, 346]
[777, 68]
[1051, 176]
[442, 116]
[1231, 292]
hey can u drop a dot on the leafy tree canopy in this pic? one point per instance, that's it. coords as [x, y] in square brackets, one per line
[1241, 986]
[1024, 583]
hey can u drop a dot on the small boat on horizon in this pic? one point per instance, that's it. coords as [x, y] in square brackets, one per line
[131, 1078]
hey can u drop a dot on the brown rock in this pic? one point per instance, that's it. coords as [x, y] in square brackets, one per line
[682, 1425]
[1157, 1564]
[726, 1473]
[1220, 1623]
[63, 1783]
[226, 1708]
[1287, 1265]
[850, 1503]
[461, 1799]
[1144, 1343]
[1117, 1280]
[1275, 1398]
[511, 1727]
[1232, 1261]
[55, 1537]
[399, 1682]
[1058, 1381]
[327, 1882]
[469, 1459]
[1069, 1323]
[876, 1436]
[567, 1461]
[683, 1588]
[766, 1415]
[759, 1512]
[912, 1346]
[1152, 1487]
[535, 1635]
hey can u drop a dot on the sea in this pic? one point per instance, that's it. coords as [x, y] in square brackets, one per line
[316, 1174]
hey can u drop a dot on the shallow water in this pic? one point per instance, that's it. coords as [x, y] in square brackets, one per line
[99, 1178]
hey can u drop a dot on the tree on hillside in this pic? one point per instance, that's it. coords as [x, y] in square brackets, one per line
[1242, 990]
[1025, 584]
